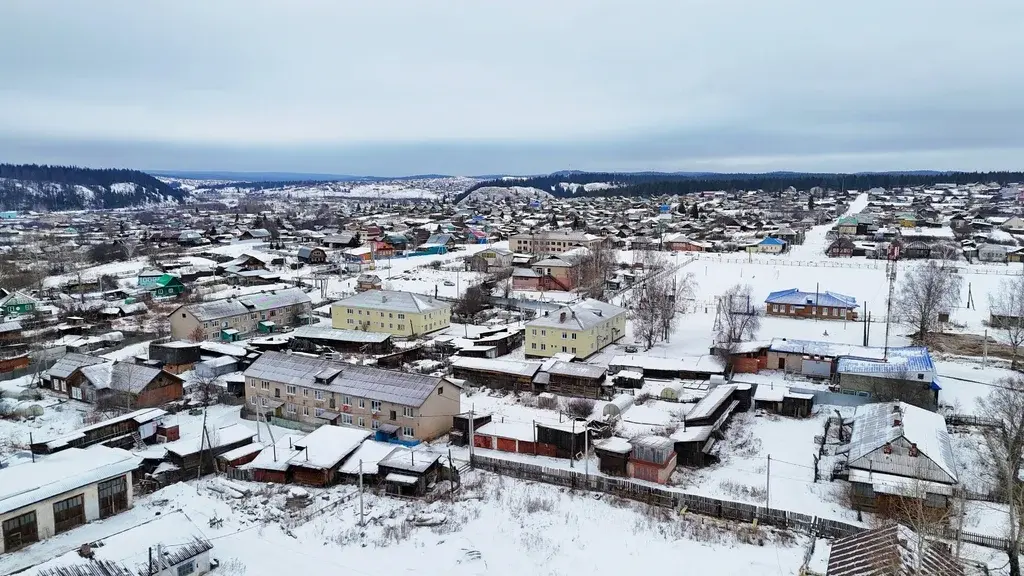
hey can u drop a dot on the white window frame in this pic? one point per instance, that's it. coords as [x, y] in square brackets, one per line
[375, 405]
[408, 412]
[408, 431]
[375, 424]
[289, 390]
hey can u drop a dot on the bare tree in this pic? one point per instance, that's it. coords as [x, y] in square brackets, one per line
[470, 303]
[197, 334]
[736, 317]
[204, 387]
[644, 313]
[926, 291]
[1007, 313]
[674, 294]
[130, 247]
[1005, 403]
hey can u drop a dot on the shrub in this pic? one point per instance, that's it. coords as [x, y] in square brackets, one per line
[579, 407]
[547, 402]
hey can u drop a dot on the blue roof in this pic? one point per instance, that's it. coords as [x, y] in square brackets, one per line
[794, 296]
[773, 242]
[905, 359]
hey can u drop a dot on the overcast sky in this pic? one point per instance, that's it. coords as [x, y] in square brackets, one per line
[392, 87]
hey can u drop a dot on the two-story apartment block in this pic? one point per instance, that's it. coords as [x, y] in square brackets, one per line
[401, 314]
[581, 329]
[315, 391]
[233, 318]
[559, 272]
[551, 241]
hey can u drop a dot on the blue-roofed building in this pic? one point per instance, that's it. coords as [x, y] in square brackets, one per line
[907, 374]
[824, 305]
[772, 245]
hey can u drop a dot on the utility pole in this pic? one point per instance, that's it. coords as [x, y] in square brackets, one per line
[890, 271]
[768, 483]
[30, 443]
[202, 443]
[572, 458]
[471, 437]
[984, 346]
[586, 453]
[150, 572]
[360, 492]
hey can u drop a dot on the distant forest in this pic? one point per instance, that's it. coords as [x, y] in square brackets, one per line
[43, 187]
[665, 184]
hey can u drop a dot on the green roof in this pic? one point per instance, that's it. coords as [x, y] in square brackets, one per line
[166, 279]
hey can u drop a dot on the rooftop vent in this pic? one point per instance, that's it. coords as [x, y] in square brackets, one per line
[561, 317]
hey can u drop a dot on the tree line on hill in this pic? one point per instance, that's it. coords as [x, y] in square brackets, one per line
[665, 184]
[45, 187]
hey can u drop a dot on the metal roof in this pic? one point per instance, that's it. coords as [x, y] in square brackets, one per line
[890, 551]
[825, 298]
[122, 376]
[523, 368]
[260, 302]
[393, 301]
[325, 332]
[71, 362]
[874, 426]
[901, 360]
[360, 381]
[580, 316]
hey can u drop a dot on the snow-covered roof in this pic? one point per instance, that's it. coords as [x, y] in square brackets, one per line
[577, 369]
[907, 359]
[706, 363]
[120, 376]
[522, 431]
[277, 456]
[614, 444]
[326, 446]
[393, 301]
[249, 303]
[224, 349]
[370, 453]
[141, 416]
[891, 550]
[71, 362]
[711, 402]
[826, 349]
[325, 332]
[874, 426]
[523, 368]
[580, 316]
[130, 548]
[361, 381]
[68, 470]
[229, 434]
[692, 433]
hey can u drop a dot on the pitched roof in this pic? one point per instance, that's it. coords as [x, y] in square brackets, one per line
[874, 427]
[234, 306]
[393, 301]
[890, 551]
[800, 298]
[120, 376]
[580, 316]
[360, 381]
[71, 362]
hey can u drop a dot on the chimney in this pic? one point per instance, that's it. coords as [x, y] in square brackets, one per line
[561, 317]
[887, 449]
[913, 450]
[896, 422]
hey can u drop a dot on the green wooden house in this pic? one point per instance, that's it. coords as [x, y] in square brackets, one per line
[16, 303]
[167, 286]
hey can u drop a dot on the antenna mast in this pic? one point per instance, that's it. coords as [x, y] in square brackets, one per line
[893, 256]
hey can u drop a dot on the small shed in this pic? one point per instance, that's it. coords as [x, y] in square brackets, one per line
[613, 455]
[628, 379]
[409, 474]
[568, 438]
[653, 459]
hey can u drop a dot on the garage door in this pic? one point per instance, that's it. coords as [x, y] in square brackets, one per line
[20, 531]
[113, 496]
[68, 513]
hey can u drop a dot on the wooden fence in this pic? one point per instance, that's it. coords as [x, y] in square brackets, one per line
[667, 498]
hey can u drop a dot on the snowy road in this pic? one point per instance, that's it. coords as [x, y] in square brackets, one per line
[815, 241]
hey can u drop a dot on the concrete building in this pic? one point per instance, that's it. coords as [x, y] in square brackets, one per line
[234, 318]
[580, 329]
[62, 491]
[313, 391]
[551, 241]
[402, 314]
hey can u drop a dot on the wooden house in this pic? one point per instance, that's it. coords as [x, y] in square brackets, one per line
[613, 455]
[311, 255]
[841, 247]
[409, 474]
[119, 432]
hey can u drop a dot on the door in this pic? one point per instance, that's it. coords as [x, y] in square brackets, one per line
[782, 363]
[68, 513]
[113, 496]
[20, 531]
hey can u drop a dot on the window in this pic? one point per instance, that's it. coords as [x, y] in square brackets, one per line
[409, 412]
[543, 332]
[533, 345]
[346, 400]
[574, 350]
[534, 331]
[305, 391]
[573, 335]
[318, 394]
[277, 392]
[265, 385]
[292, 409]
[20, 531]
[68, 513]
[76, 393]
[565, 335]
[393, 415]
[401, 326]
[408, 431]
[346, 418]
[390, 325]
[362, 403]
[319, 412]
[375, 424]
[349, 310]
[375, 406]
[252, 384]
[564, 349]
[543, 346]
[252, 400]
[401, 316]
[305, 410]
[440, 390]
[263, 401]
[351, 321]
[390, 315]
[362, 422]
[920, 376]
[359, 312]
[187, 568]
[113, 496]
[289, 390]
